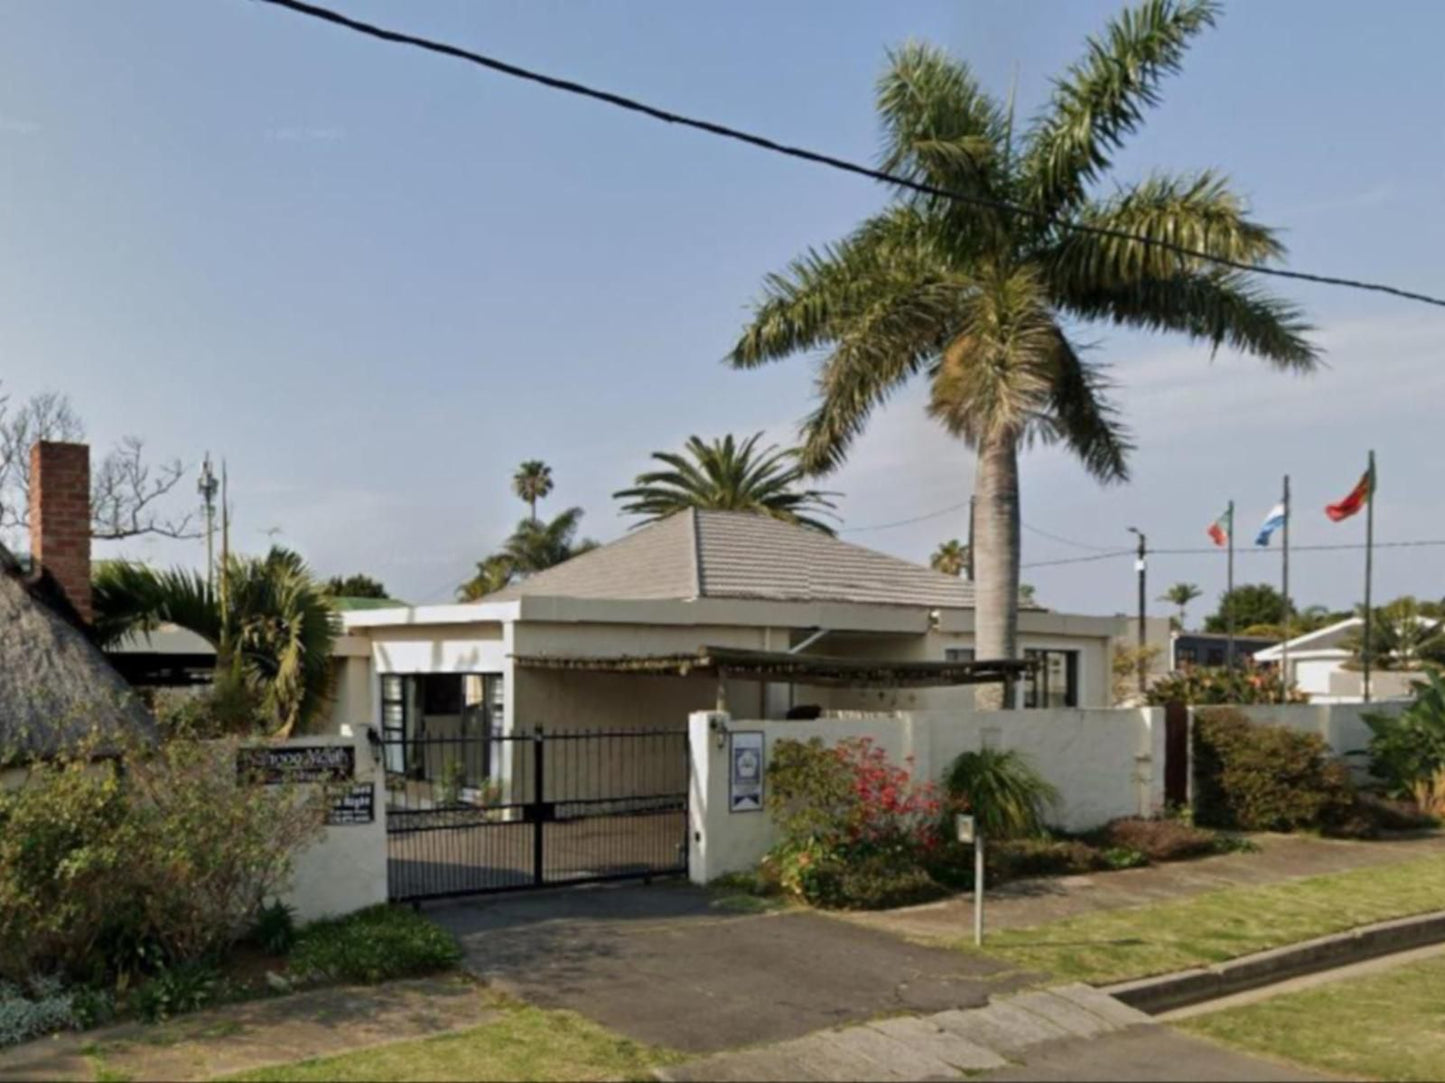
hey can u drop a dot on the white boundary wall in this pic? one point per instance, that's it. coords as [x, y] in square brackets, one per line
[345, 869]
[1341, 724]
[1105, 763]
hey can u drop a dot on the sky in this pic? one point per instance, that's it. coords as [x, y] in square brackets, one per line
[374, 280]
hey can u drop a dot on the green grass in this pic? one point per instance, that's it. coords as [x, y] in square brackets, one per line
[380, 943]
[523, 1043]
[1388, 1025]
[1119, 944]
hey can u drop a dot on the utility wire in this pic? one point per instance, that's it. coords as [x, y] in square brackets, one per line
[1251, 551]
[326, 15]
[904, 522]
[1065, 541]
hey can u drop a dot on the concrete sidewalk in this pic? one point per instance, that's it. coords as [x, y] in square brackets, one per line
[1034, 902]
[1067, 1033]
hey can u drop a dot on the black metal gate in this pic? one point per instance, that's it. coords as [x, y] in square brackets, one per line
[468, 815]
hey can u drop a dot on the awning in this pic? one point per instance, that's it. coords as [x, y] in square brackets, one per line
[738, 664]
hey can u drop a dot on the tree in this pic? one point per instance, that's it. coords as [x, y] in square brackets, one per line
[355, 586]
[532, 482]
[950, 558]
[493, 574]
[983, 298]
[1251, 604]
[267, 617]
[536, 546]
[1181, 594]
[1401, 637]
[124, 487]
[727, 476]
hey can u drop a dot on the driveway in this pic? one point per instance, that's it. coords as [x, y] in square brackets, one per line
[663, 964]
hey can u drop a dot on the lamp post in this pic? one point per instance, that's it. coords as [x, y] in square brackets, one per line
[207, 486]
[1140, 563]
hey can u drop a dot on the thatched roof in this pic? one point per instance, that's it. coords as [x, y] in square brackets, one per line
[56, 687]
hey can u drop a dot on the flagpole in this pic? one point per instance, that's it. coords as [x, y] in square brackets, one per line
[1229, 593]
[1284, 646]
[1369, 569]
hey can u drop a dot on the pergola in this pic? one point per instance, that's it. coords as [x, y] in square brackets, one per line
[735, 663]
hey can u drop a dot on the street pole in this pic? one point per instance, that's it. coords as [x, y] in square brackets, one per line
[1284, 645]
[978, 891]
[1229, 594]
[1369, 568]
[1140, 564]
[207, 485]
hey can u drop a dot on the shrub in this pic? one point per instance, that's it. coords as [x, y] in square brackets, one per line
[1409, 749]
[1019, 858]
[1157, 840]
[1007, 797]
[1203, 686]
[107, 873]
[41, 1008]
[274, 930]
[176, 991]
[377, 944]
[1265, 778]
[848, 820]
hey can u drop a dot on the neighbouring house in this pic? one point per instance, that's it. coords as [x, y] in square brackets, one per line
[704, 609]
[1322, 664]
[55, 685]
[1212, 648]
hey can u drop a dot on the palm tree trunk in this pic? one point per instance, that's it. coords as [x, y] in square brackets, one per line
[996, 591]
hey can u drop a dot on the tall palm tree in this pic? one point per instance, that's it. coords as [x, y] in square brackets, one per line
[276, 625]
[725, 475]
[493, 574]
[1181, 594]
[535, 546]
[532, 482]
[983, 300]
[950, 558]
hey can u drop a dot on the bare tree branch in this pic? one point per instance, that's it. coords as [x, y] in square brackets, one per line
[124, 487]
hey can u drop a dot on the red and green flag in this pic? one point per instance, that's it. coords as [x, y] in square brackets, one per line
[1222, 528]
[1358, 498]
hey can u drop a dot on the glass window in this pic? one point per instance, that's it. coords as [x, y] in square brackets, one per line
[1055, 681]
[958, 654]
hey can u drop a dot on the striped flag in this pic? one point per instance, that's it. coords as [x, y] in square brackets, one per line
[1272, 522]
[1222, 528]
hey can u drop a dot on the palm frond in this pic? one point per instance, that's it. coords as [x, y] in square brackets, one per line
[1221, 308]
[1102, 98]
[1082, 417]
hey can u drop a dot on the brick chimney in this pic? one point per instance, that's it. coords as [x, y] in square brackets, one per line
[60, 518]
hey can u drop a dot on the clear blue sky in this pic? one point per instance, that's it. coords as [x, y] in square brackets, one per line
[374, 280]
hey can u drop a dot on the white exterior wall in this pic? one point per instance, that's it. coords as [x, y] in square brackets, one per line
[1341, 724]
[345, 869]
[1105, 763]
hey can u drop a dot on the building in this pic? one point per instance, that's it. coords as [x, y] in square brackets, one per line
[1212, 648]
[702, 609]
[1321, 663]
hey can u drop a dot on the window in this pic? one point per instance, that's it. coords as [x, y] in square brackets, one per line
[958, 654]
[1055, 683]
[1216, 656]
[1185, 656]
[393, 721]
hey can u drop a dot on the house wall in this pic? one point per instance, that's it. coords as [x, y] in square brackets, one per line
[1105, 763]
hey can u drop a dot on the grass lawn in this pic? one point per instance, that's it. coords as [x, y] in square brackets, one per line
[1118, 944]
[523, 1043]
[1389, 1025]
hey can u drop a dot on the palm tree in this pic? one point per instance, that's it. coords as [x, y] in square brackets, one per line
[493, 574]
[275, 626]
[1181, 594]
[535, 546]
[950, 558]
[727, 476]
[532, 481]
[983, 299]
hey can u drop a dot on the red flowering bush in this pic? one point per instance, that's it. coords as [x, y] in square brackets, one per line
[855, 829]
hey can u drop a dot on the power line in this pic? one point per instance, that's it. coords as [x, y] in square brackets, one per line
[1064, 541]
[1079, 560]
[726, 132]
[1251, 551]
[904, 522]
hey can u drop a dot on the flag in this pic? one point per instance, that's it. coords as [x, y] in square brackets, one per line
[1358, 498]
[1222, 528]
[1272, 522]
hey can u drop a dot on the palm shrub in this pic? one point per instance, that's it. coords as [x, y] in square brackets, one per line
[982, 297]
[1408, 749]
[1009, 799]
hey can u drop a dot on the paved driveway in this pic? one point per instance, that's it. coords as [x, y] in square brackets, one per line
[661, 964]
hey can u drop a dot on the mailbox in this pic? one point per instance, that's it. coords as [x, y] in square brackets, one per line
[963, 827]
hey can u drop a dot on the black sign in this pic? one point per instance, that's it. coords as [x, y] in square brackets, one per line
[356, 806]
[272, 766]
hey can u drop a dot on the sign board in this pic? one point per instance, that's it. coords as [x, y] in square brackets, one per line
[963, 826]
[356, 806]
[271, 765]
[745, 771]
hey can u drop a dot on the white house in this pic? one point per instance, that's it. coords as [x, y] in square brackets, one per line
[1318, 661]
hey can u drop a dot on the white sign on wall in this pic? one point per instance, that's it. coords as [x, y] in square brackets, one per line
[745, 771]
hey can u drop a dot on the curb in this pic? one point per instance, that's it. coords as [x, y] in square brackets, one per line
[1186, 987]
